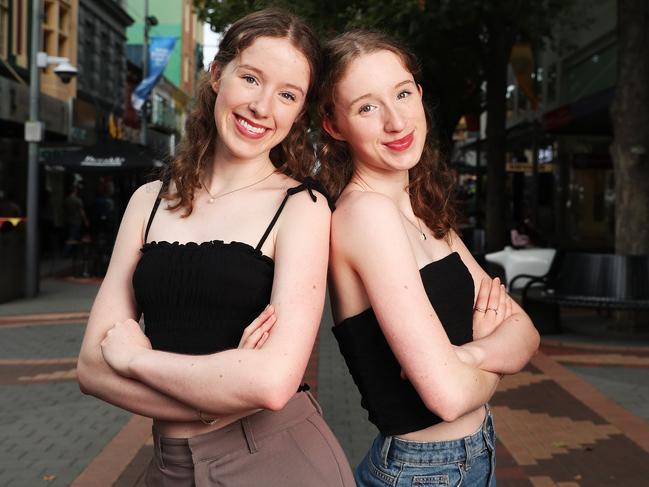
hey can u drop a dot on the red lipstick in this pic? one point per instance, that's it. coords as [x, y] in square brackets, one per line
[402, 144]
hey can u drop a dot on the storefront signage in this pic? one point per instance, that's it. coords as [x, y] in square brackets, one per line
[103, 161]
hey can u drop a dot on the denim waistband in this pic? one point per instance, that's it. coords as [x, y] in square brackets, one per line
[440, 452]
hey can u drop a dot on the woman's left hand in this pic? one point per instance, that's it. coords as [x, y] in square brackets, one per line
[122, 343]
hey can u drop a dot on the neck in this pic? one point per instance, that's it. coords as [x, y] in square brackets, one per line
[228, 171]
[392, 184]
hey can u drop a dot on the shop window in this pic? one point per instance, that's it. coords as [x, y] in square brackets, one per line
[19, 37]
[56, 28]
[4, 28]
[551, 85]
[594, 73]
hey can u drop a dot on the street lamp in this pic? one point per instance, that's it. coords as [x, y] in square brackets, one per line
[33, 135]
[149, 21]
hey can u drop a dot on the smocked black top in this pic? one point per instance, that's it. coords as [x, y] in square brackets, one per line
[197, 298]
[393, 404]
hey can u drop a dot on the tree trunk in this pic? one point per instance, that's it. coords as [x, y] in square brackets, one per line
[630, 116]
[499, 46]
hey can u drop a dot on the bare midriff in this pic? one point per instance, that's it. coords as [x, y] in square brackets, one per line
[189, 429]
[460, 428]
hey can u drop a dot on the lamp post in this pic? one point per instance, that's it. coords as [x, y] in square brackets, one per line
[33, 136]
[149, 21]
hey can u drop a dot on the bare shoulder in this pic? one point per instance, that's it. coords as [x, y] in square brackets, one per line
[362, 212]
[139, 207]
[146, 193]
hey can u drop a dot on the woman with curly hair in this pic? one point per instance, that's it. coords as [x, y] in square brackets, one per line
[231, 243]
[423, 329]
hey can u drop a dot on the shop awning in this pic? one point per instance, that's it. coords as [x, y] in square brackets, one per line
[104, 155]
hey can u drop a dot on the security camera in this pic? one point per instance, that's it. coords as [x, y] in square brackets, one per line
[65, 71]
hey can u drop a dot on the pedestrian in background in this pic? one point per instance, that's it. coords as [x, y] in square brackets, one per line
[76, 221]
[423, 329]
[229, 231]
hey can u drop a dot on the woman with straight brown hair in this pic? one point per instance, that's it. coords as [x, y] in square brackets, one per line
[231, 243]
[423, 329]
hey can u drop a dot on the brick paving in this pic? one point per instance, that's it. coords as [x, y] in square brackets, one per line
[577, 416]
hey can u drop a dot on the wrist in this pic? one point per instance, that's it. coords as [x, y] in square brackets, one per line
[137, 363]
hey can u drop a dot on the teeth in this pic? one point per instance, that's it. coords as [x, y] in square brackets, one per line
[250, 128]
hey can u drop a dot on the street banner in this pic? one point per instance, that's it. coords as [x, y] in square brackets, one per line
[160, 49]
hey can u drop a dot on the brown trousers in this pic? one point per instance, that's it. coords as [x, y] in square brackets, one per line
[293, 447]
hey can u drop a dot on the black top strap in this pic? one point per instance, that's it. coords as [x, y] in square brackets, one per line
[153, 211]
[310, 185]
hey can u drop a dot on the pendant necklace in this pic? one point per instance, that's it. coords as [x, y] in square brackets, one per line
[422, 235]
[215, 197]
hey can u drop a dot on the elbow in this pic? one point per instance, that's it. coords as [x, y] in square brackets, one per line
[83, 379]
[448, 407]
[86, 377]
[276, 392]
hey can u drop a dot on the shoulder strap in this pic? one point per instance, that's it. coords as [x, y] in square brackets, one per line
[309, 184]
[153, 211]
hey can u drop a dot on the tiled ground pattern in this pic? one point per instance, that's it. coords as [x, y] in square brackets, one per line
[547, 437]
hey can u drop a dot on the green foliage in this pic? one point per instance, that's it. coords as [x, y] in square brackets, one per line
[449, 36]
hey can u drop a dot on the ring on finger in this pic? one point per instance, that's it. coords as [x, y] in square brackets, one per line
[482, 310]
[495, 310]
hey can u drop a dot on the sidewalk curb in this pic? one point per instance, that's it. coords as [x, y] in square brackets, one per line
[45, 318]
[106, 468]
[554, 342]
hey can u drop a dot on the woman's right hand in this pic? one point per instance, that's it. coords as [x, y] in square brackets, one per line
[491, 308]
[256, 333]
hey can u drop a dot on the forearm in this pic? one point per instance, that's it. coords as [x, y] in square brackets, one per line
[99, 380]
[474, 387]
[223, 383]
[508, 348]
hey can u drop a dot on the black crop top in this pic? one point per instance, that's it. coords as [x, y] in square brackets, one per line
[197, 298]
[393, 404]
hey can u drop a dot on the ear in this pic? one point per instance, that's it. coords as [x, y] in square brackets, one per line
[215, 80]
[331, 129]
[421, 91]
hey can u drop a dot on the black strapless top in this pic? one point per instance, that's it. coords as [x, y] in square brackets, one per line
[197, 298]
[393, 404]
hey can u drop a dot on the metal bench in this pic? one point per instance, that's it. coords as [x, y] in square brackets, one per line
[583, 280]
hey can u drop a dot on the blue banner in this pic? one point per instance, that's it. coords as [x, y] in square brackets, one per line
[160, 49]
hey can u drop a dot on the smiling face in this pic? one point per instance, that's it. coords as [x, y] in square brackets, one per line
[379, 113]
[260, 94]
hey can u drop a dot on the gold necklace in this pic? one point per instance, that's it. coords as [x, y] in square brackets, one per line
[418, 226]
[213, 197]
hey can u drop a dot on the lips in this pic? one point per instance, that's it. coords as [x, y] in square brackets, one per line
[402, 144]
[249, 129]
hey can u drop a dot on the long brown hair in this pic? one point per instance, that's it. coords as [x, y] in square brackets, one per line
[430, 181]
[294, 156]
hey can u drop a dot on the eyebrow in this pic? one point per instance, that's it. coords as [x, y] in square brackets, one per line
[368, 95]
[261, 73]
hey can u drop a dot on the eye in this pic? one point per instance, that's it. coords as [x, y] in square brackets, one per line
[249, 79]
[403, 94]
[366, 109]
[288, 95]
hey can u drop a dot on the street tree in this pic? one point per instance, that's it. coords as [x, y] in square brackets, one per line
[630, 116]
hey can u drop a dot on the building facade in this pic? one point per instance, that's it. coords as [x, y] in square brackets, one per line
[559, 170]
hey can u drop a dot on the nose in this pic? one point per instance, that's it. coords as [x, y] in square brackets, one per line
[260, 105]
[394, 120]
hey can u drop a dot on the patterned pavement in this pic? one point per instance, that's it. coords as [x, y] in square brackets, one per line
[576, 416]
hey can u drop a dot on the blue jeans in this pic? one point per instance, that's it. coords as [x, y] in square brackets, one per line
[469, 462]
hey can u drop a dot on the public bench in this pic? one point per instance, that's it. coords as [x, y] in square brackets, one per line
[583, 280]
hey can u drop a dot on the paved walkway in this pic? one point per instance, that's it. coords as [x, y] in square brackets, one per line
[576, 416]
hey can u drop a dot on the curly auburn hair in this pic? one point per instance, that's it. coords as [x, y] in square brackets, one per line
[294, 156]
[430, 183]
